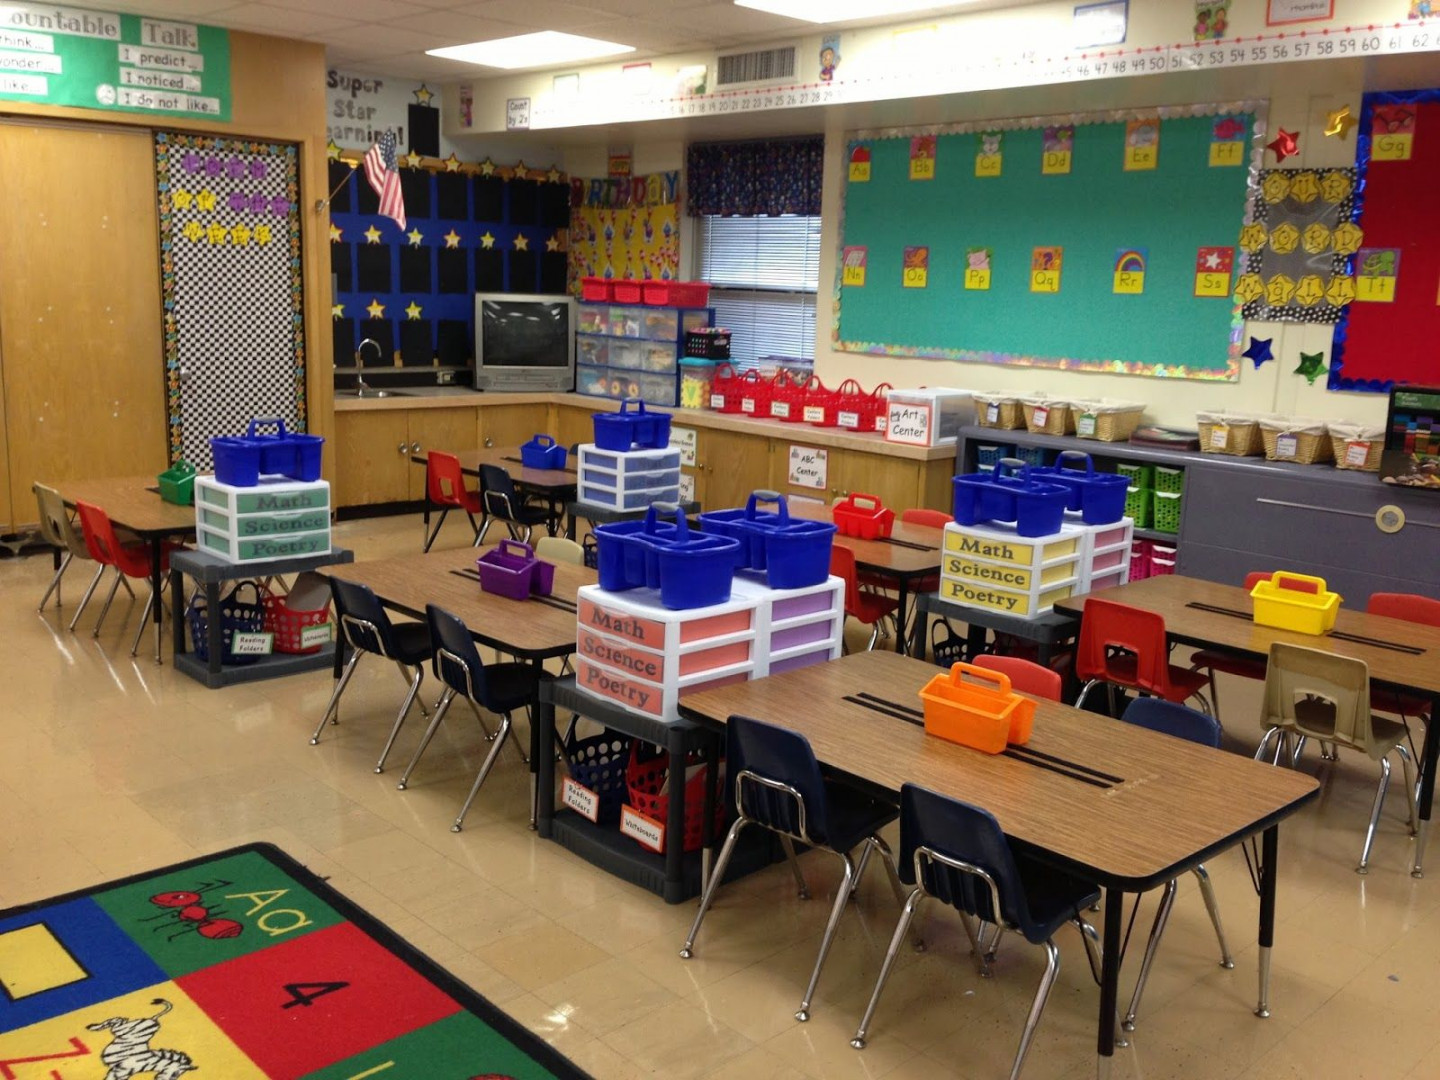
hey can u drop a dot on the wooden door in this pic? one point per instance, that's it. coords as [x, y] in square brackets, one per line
[372, 457]
[440, 429]
[511, 425]
[733, 465]
[80, 314]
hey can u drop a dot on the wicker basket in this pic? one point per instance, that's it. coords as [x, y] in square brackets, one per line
[1356, 446]
[1107, 419]
[1237, 434]
[1294, 439]
[1058, 417]
[999, 410]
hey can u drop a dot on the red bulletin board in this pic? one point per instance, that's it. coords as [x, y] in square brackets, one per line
[1378, 344]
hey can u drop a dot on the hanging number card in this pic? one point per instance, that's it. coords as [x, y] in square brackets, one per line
[809, 467]
[1213, 267]
[852, 270]
[1375, 272]
[916, 268]
[860, 165]
[1392, 131]
[1129, 278]
[922, 157]
[987, 156]
[1045, 269]
[1142, 145]
[1058, 145]
[1227, 143]
[977, 268]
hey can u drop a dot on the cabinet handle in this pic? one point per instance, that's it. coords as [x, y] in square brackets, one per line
[403, 448]
[489, 443]
[414, 447]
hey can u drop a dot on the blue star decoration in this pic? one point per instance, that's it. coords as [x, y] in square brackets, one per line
[1312, 366]
[1259, 351]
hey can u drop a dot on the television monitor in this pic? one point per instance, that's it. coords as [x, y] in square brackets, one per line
[524, 342]
[1412, 438]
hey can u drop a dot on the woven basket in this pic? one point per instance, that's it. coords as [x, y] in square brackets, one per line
[1356, 446]
[1059, 417]
[1311, 443]
[1230, 433]
[999, 411]
[1107, 420]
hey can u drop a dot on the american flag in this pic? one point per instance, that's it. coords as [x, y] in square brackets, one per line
[384, 177]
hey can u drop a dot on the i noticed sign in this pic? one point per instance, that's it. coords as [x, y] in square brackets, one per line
[100, 60]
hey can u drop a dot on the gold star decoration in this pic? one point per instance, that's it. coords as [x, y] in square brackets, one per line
[452, 239]
[487, 241]
[1279, 290]
[375, 309]
[1334, 186]
[336, 235]
[423, 95]
[554, 175]
[1316, 238]
[337, 311]
[372, 235]
[521, 243]
[520, 171]
[205, 200]
[1310, 291]
[1253, 236]
[413, 159]
[1340, 291]
[452, 163]
[181, 198]
[1312, 366]
[1304, 187]
[1275, 187]
[1249, 288]
[415, 236]
[412, 311]
[1284, 238]
[1347, 238]
[1340, 121]
[487, 168]
[553, 244]
[332, 150]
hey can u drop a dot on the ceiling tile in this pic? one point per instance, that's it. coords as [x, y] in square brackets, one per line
[266, 18]
[458, 28]
[184, 10]
[648, 9]
[378, 39]
[534, 14]
[359, 10]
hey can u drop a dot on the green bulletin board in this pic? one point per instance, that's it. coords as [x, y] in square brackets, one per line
[1102, 216]
[100, 60]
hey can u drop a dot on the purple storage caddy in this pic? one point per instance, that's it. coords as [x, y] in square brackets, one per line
[508, 569]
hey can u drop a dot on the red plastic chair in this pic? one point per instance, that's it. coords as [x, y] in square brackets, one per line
[935, 519]
[868, 607]
[1212, 661]
[1026, 677]
[445, 488]
[130, 560]
[1411, 608]
[1126, 646]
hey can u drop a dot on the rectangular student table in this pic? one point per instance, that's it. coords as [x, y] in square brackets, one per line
[134, 503]
[1402, 656]
[556, 485]
[1120, 806]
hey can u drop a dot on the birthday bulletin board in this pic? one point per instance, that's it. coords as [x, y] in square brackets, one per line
[1091, 242]
[624, 227]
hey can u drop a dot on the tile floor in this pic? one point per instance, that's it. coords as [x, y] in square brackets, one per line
[110, 766]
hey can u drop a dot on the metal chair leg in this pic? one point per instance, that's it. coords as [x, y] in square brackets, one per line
[144, 622]
[1085, 691]
[842, 895]
[907, 913]
[1364, 867]
[109, 599]
[716, 875]
[1207, 891]
[1037, 1007]
[436, 530]
[977, 948]
[405, 674]
[1157, 931]
[486, 520]
[333, 709]
[887, 857]
[1299, 749]
[789, 846]
[480, 718]
[1261, 750]
[1408, 765]
[441, 708]
[874, 636]
[55, 582]
[412, 698]
[485, 767]
[89, 592]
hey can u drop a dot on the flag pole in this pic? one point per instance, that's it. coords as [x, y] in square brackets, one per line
[320, 204]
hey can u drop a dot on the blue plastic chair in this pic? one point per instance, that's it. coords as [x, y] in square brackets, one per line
[778, 786]
[502, 502]
[957, 853]
[1168, 718]
[501, 688]
[368, 629]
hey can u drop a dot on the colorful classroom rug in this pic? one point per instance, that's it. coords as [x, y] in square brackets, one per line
[239, 966]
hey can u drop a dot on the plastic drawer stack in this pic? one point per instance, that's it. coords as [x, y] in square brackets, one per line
[1107, 552]
[798, 627]
[994, 568]
[277, 519]
[628, 480]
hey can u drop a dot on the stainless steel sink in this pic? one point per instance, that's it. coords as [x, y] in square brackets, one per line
[373, 393]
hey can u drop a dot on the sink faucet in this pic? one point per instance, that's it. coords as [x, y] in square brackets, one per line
[361, 386]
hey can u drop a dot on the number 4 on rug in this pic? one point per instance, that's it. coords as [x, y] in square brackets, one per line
[307, 993]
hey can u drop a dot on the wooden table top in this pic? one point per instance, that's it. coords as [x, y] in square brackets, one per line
[131, 504]
[915, 552]
[1398, 653]
[508, 458]
[1152, 806]
[533, 628]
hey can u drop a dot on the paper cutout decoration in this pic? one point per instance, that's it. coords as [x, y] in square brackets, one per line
[335, 233]
[1253, 237]
[915, 273]
[1335, 186]
[1309, 290]
[1142, 144]
[1304, 187]
[977, 268]
[423, 95]
[337, 311]
[1058, 145]
[1275, 186]
[1286, 144]
[1212, 19]
[988, 156]
[1375, 272]
[853, 266]
[1284, 238]
[1213, 267]
[1295, 246]
[332, 151]
[375, 309]
[1347, 238]
[1249, 288]
[522, 242]
[1129, 273]
[860, 165]
[1316, 238]
[1312, 366]
[922, 157]
[1279, 289]
[1339, 122]
[452, 239]
[1260, 351]
[372, 236]
[412, 311]
[414, 236]
[829, 57]
[1339, 290]
[1227, 142]
[1392, 132]
[1045, 269]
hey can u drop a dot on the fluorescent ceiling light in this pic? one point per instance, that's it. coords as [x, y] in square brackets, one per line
[833, 11]
[531, 50]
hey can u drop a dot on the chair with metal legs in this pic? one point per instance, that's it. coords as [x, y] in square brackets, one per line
[1314, 694]
[367, 629]
[445, 488]
[501, 688]
[503, 503]
[57, 530]
[1183, 723]
[1125, 646]
[130, 560]
[957, 853]
[779, 787]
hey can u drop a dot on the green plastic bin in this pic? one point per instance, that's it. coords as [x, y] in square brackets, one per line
[1168, 480]
[1167, 511]
[1140, 474]
[1139, 502]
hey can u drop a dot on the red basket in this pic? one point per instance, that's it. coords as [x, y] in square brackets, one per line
[626, 292]
[878, 413]
[814, 402]
[787, 397]
[288, 624]
[595, 288]
[725, 387]
[645, 777]
[754, 394]
[676, 293]
[863, 516]
[849, 407]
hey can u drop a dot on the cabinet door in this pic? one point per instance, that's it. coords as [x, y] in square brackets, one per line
[452, 430]
[895, 481]
[731, 465]
[372, 457]
[510, 425]
[573, 425]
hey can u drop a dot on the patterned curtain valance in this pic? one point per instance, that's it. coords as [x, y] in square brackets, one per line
[770, 177]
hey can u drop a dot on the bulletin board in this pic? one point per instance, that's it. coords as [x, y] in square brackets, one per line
[1173, 223]
[625, 228]
[1391, 338]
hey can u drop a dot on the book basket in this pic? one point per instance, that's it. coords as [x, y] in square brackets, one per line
[1230, 433]
[999, 411]
[288, 616]
[600, 762]
[647, 779]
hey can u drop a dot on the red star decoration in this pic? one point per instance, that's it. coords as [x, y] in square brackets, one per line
[1286, 144]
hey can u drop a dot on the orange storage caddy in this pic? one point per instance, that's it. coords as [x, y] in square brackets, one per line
[975, 707]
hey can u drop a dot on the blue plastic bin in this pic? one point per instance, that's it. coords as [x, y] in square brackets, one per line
[281, 453]
[1036, 507]
[793, 553]
[621, 550]
[690, 569]
[632, 430]
[277, 450]
[542, 452]
[1100, 497]
[237, 461]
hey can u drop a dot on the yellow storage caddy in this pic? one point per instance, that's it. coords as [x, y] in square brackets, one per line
[975, 707]
[1295, 602]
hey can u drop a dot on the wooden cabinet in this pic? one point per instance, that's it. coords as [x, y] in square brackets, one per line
[512, 425]
[571, 424]
[373, 449]
[439, 429]
[729, 465]
[897, 482]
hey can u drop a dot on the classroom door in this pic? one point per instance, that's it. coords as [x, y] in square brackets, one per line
[80, 333]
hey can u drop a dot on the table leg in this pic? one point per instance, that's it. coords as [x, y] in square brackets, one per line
[707, 826]
[425, 513]
[571, 529]
[1428, 760]
[675, 818]
[1270, 847]
[215, 639]
[177, 612]
[157, 549]
[1109, 980]
[903, 591]
[542, 725]
[539, 749]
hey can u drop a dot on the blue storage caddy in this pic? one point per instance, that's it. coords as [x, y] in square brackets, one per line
[542, 452]
[1037, 507]
[1100, 497]
[690, 569]
[794, 554]
[240, 460]
[627, 430]
[237, 460]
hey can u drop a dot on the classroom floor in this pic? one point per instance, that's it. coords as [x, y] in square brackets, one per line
[110, 766]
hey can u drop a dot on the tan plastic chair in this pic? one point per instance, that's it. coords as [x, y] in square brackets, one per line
[557, 549]
[1313, 694]
[56, 530]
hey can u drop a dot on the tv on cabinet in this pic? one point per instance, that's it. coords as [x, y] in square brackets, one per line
[524, 342]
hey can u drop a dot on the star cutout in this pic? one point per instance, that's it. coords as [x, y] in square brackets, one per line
[375, 309]
[520, 172]
[335, 234]
[487, 168]
[452, 163]
[415, 236]
[488, 240]
[1259, 351]
[553, 244]
[412, 311]
[554, 175]
[1340, 291]
[521, 243]
[1310, 290]
[423, 95]
[372, 235]
[1213, 261]
[414, 160]
[1286, 144]
[452, 239]
[337, 311]
[332, 150]
[1312, 366]
[1339, 122]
